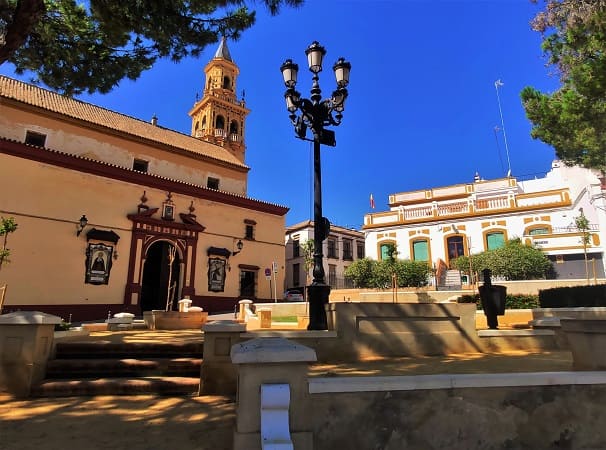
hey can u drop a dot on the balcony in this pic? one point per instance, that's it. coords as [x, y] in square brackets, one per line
[421, 211]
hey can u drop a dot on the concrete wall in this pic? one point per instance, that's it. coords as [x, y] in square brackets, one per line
[533, 417]
[526, 287]
[401, 329]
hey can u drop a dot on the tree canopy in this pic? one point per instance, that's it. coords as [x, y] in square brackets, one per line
[573, 118]
[7, 226]
[90, 46]
[513, 261]
[370, 273]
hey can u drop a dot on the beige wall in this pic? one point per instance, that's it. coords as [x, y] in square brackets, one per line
[101, 146]
[48, 260]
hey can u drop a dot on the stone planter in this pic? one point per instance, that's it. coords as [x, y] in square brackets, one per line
[587, 341]
[175, 320]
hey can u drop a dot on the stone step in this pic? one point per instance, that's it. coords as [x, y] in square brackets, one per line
[89, 350]
[181, 386]
[102, 367]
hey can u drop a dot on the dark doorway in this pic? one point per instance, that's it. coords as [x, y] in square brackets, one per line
[156, 274]
[247, 283]
[455, 247]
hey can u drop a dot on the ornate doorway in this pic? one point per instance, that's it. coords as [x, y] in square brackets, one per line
[160, 284]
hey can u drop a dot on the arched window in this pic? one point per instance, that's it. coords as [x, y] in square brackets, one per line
[233, 127]
[220, 123]
[494, 240]
[204, 123]
[537, 229]
[226, 82]
[420, 250]
[386, 249]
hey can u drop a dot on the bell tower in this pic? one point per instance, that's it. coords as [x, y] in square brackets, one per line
[219, 116]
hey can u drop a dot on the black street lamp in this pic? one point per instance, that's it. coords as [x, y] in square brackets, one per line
[316, 114]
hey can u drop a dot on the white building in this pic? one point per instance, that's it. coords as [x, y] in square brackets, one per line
[442, 223]
[342, 247]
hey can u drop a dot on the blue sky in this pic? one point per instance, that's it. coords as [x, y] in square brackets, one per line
[422, 106]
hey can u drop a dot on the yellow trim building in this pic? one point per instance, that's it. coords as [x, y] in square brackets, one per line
[439, 224]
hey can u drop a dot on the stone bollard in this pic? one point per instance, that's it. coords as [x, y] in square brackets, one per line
[26, 342]
[184, 304]
[272, 361]
[217, 374]
[244, 305]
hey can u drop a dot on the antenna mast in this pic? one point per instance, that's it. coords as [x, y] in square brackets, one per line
[497, 85]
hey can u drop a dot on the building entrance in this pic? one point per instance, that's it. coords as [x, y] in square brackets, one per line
[456, 247]
[160, 287]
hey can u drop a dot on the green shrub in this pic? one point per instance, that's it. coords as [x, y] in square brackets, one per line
[511, 301]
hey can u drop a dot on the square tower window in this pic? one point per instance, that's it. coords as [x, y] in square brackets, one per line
[33, 138]
[140, 165]
[212, 183]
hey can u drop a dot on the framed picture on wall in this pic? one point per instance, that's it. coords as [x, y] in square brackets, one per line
[98, 263]
[216, 274]
[168, 211]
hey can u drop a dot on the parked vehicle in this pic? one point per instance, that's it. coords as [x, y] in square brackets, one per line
[293, 295]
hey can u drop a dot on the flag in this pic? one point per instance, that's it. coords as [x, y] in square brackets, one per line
[372, 202]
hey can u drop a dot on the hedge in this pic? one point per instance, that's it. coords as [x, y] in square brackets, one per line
[511, 301]
[571, 297]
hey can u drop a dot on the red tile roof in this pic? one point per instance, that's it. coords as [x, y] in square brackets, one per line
[95, 115]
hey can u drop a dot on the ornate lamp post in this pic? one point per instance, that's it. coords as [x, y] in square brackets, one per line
[315, 114]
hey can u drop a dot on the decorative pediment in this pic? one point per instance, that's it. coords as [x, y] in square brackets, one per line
[218, 251]
[102, 235]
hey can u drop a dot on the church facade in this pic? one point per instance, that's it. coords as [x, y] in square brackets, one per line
[117, 214]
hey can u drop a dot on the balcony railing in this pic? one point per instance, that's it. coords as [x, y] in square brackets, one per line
[469, 206]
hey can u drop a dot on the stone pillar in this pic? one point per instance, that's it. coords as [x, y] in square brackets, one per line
[243, 306]
[266, 361]
[26, 342]
[218, 375]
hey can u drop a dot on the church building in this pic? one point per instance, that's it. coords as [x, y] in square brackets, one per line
[117, 214]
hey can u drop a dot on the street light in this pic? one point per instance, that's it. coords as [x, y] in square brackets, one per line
[315, 114]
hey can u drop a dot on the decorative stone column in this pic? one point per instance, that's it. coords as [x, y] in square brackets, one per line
[26, 342]
[218, 375]
[272, 361]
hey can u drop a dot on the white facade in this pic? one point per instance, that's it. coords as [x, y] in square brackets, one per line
[439, 224]
[342, 247]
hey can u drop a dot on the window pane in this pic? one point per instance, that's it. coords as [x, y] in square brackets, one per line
[420, 251]
[385, 252]
[538, 231]
[495, 240]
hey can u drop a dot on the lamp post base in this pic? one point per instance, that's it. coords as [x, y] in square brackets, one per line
[318, 298]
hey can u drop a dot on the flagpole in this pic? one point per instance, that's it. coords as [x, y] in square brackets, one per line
[498, 84]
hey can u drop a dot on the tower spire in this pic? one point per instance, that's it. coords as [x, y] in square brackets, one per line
[223, 51]
[219, 116]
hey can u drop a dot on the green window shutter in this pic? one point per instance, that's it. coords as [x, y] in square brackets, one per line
[495, 240]
[384, 252]
[420, 251]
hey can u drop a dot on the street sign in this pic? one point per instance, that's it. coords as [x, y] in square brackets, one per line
[268, 273]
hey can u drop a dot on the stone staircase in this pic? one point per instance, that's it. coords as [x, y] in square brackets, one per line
[102, 368]
[451, 281]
